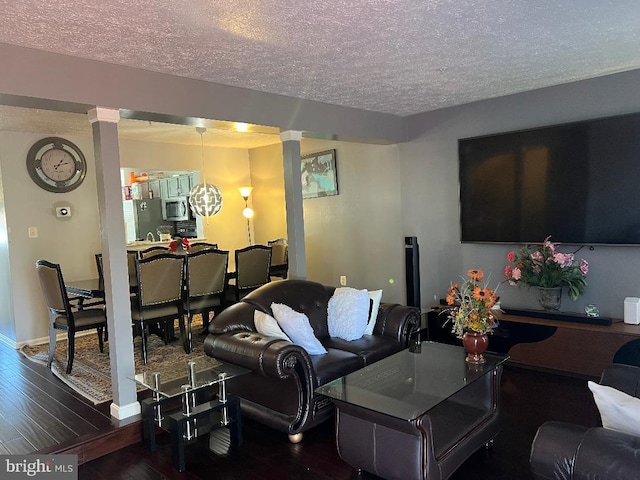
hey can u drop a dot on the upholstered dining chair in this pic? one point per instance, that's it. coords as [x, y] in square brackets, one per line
[206, 273]
[159, 300]
[62, 316]
[131, 268]
[198, 246]
[252, 271]
[279, 258]
[151, 251]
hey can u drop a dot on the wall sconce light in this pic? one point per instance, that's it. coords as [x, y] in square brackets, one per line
[247, 212]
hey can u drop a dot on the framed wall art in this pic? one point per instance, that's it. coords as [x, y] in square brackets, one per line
[319, 174]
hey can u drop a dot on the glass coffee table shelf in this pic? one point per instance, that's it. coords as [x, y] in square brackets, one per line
[183, 403]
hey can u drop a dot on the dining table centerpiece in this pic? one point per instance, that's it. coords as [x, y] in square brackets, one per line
[179, 242]
[469, 310]
[544, 267]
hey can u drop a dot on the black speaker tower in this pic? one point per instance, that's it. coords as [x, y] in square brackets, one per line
[412, 263]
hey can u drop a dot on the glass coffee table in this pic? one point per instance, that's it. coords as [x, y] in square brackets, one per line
[183, 403]
[417, 414]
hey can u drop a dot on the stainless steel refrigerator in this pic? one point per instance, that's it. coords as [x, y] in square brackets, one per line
[142, 217]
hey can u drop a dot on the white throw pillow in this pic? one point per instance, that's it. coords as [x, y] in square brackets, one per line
[296, 325]
[348, 313]
[618, 411]
[266, 325]
[376, 298]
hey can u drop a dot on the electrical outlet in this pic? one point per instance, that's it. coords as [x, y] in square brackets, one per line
[33, 232]
[343, 280]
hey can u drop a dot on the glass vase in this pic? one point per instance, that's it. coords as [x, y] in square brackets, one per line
[550, 298]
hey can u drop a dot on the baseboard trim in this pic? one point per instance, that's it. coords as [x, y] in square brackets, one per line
[60, 336]
[125, 411]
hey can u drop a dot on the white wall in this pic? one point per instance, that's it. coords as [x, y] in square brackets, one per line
[267, 179]
[429, 176]
[228, 168]
[74, 242]
[7, 326]
[357, 232]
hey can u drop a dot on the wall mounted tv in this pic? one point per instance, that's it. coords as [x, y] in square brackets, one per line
[578, 182]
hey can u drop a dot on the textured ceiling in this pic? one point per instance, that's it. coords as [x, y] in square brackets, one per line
[395, 56]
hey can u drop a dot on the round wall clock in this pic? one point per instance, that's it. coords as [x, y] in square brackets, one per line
[56, 164]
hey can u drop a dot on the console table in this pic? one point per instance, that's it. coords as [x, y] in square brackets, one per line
[576, 348]
[418, 414]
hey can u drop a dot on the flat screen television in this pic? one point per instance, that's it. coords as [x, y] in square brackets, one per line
[578, 182]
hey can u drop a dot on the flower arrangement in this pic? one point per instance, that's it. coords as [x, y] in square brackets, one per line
[470, 305]
[164, 229]
[543, 266]
[184, 242]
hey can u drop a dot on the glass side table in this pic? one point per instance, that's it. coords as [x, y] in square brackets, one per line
[183, 403]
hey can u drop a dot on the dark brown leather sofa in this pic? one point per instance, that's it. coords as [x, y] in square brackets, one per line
[279, 391]
[573, 452]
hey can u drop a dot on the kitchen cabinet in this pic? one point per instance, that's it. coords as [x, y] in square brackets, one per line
[179, 185]
[139, 190]
[154, 186]
[164, 187]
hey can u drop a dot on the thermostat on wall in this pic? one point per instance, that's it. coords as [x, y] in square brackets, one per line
[63, 212]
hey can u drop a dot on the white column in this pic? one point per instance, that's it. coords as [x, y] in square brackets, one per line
[114, 257]
[293, 202]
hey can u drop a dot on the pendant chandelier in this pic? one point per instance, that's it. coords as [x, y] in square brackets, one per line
[205, 199]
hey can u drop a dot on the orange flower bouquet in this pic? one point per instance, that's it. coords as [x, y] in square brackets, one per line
[470, 305]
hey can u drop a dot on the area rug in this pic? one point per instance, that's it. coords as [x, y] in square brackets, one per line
[91, 373]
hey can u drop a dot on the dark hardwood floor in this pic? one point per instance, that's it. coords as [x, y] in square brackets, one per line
[38, 413]
[530, 398]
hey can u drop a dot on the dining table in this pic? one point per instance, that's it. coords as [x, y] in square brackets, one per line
[86, 289]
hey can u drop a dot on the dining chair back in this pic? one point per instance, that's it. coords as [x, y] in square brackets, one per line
[159, 299]
[100, 267]
[206, 273]
[132, 255]
[199, 246]
[62, 316]
[279, 258]
[152, 251]
[252, 270]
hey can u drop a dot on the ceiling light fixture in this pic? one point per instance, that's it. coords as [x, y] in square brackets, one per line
[205, 199]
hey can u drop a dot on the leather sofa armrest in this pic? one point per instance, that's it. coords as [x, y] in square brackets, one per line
[266, 355]
[625, 378]
[397, 321]
[567, 451]
[606, 453]
[554, 449]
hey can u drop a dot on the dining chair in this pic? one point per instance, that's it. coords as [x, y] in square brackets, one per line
[199, 246]
[252, 271]
[159, 300]
[279, 258]
[152, 251]
[205, 282]
[132, 255]
[62, 315]
[131, 269]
